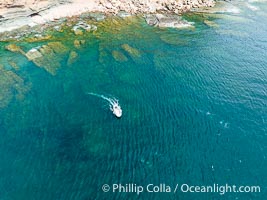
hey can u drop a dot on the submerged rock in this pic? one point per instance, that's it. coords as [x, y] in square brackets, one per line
[33, 54]
[49, 61]
[72, 58]
[211, 23]
[5, 92]
[78, 31]
[119, 56]
[14, 48]
[14, 65]
[48, 56]
[172, 39]
[58, 47]
[235, 33]
[133, 52]
[102, 55]
[78, 43]
[12, 85]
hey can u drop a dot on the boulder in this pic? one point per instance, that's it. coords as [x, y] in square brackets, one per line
[78, 31]
[98, 16]
[80, 26]
[151, 20]
[167, 21]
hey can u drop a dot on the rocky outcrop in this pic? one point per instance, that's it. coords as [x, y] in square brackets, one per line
[162, 21]
[15, 13]
[83, 26]
[13, 9]
[153, 6]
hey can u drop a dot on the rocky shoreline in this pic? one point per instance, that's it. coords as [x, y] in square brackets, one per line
[153, 6]
[16, 14]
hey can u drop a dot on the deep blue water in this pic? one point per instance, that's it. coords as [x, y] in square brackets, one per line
[194, 111]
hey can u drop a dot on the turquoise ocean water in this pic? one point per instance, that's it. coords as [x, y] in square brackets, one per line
[194, 111]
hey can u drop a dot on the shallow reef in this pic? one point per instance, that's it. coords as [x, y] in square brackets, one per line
[119, 56]
[12, 86]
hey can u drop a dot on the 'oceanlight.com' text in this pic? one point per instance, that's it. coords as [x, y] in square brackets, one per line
[184, 188]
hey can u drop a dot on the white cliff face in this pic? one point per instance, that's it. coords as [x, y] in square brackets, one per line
[17, 13]
[16, 9]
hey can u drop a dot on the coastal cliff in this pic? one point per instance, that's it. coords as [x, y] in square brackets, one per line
[15, 13]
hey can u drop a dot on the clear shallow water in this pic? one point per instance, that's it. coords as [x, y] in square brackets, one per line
[194, 111]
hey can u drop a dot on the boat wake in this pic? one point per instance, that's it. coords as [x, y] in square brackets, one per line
[113, 104]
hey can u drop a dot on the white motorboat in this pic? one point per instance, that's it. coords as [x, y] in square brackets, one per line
[116, 109]
[113, 104]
